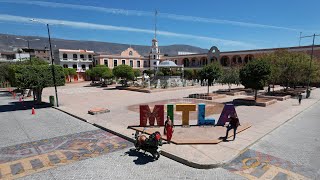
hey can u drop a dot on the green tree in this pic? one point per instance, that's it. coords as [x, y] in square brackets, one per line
[4, 72]
[230, 76]
[37, 77]
[188, 74]
[149, 72]
[107, 75]
[255, 75]
[91, 74]
[166, 71]
[210, 72]
[68, 72]
[101, 72]
[137, 73]
[160, 73]
[274, 66]
[124, 72]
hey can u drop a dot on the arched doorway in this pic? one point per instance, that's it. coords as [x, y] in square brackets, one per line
[225, 61]
[248, 58]
[203, 61]
[236, 60]
[194, 62]
[186, 62]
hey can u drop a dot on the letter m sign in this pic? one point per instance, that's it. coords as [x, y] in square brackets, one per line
[157, 113]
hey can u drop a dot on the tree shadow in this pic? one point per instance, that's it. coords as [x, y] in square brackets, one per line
[110, 88]
[24, 105]
[142, 158]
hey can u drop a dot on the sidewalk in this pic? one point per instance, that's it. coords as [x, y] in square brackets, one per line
[263, 120]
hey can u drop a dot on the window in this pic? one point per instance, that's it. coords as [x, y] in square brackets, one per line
[75, 57]
[131, 63]
[130, 53]
[138, 63]
[65, 66]
[115, 63]
[65, 56]
[90, 56]
[81, 56]
[83, 66]
[154, 56]
[176, 61]
[74, 66]
[123, 62]
[154, 63]
[106, 62]
[90, 66]
[145, 64]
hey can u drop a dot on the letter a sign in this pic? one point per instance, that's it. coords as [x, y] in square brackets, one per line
[227, 110]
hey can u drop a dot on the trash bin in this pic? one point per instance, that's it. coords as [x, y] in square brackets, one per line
[308, 93]
[51, 100]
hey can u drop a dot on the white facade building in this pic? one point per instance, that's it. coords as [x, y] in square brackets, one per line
[81, 60]
[13, 56]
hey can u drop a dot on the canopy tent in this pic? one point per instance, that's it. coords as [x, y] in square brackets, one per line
[168, 64]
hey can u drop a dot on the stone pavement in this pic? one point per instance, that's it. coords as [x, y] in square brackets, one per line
[78, 98]
[289, 152]
[129, 164]
[33, 143]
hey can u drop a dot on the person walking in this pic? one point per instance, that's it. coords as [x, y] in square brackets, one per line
[300, 98]
[233, 124]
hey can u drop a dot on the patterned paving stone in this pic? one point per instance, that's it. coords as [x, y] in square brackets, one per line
[256, 164]
[16, 169]
[36, 164]
[281, 176]
[48, 153]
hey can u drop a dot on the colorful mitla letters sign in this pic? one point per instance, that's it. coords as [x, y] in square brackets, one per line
[158, 114]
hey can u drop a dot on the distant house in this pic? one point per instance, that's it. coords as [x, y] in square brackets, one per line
[12, 57]
[128, 57]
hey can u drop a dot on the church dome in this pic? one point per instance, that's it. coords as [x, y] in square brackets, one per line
[154, 40]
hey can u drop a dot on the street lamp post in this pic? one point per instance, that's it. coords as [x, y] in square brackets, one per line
[312, 47]
[52, 59]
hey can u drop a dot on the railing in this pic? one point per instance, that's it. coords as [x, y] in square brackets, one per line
[83, 60]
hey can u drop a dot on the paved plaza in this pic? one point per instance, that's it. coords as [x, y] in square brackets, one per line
[54, 145]
[122, 105]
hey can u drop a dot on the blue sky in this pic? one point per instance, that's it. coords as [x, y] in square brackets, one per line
[229, 25]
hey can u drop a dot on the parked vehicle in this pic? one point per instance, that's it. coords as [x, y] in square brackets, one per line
[150, 144]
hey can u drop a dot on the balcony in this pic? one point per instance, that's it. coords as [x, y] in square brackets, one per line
[75, 60]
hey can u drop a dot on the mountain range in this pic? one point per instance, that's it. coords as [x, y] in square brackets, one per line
[8, 42]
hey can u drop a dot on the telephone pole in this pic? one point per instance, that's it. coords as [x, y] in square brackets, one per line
[312, 47]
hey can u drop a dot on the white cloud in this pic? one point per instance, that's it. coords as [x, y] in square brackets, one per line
[85, 25]
[147, 13]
